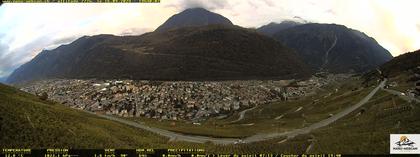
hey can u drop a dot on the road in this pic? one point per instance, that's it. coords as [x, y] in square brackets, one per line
[404, 97]
[254, 138]
[325, 122]
[171, 135]
[242, 114]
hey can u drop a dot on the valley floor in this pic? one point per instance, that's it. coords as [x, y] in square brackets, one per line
[253, 138]
[359, 118]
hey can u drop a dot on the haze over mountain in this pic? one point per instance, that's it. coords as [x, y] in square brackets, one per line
[3, 79]
[193, 17]
[334, 48]
[272, 28]
[209, 52]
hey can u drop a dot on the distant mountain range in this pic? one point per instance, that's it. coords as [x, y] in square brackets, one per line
[334, 48]
[211, 52]
[197, 44]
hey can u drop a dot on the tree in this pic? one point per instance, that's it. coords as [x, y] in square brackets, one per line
[43, 96]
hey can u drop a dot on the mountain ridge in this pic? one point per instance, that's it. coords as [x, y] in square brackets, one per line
[342, 49]
[273, 27]
[404, 62]
[213, 52]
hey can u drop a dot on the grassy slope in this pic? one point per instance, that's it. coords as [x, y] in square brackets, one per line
[369, 132]
[26, 121]
[401, 64]
[404, 81]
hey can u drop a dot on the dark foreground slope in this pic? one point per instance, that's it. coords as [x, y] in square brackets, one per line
[402, 63]
[334, 48]
[28, 122]
[191, 53]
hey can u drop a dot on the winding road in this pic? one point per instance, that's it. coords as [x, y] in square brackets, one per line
[254, 138]
[404, 97]
[242, 114]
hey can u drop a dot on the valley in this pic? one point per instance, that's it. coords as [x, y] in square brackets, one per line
[296, 125]
[165, 100]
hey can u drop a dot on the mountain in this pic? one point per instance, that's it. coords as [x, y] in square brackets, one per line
[334, 48]
[193, 17]
[405, 62]
[213, 52]
[272, 28]
[27, 121]
[3, 79]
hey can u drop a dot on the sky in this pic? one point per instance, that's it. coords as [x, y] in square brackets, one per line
[27, 29]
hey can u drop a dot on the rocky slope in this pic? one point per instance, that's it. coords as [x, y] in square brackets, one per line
[334, 48]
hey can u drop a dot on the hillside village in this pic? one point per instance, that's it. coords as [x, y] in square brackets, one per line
[194, 101]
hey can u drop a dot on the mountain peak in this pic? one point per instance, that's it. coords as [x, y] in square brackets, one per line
[193, 17]
[196, 9]
[274, 27]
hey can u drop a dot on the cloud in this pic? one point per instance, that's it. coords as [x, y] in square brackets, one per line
[16, 57]
[55, 43]
[418, 27]
[207, 4]
[134, 31]
[26, 29]
[3, 47]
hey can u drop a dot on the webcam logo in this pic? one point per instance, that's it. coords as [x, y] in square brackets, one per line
[404, 143]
